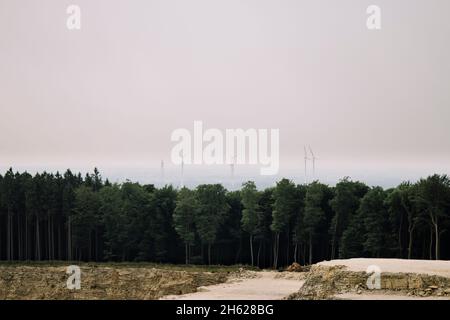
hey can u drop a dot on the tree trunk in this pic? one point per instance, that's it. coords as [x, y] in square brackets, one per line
[431, 243]
[8, 237]
[209, 253]
[251, 248]
[333, 243]
[97, 244]
[38, 242]
[69, 239]
[295, 252]
[310, 249]
[238, 252]
[202, 253]
[19, 238]
[12, 237]
[59, 242]
[333, 247]
[304, 253]
[259, 252]
[288, 243]
[1, 237]
[53, 237]
[275, 250]
[410, 242]
[91, 245]
[49, 240]
[436, 231]
[400, 236]
[26, 238]
[187, 253]
[264, 253]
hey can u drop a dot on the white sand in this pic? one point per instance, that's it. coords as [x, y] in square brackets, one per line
[431, 267]
[266, 286]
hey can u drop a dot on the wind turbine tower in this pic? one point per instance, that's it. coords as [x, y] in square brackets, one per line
[313, 162]
[232, 175]
[306, 166]
[232, 172]
[182, 171]
[163, 178]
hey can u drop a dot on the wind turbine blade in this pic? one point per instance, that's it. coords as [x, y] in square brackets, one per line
[312, 154]
[306, 153]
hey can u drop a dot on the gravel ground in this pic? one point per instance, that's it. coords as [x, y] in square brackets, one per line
[264, 285]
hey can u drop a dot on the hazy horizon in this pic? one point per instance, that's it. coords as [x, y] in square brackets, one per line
[195, 175]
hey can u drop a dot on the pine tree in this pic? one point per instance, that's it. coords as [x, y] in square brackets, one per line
[184, 218]
[284, 209]
[346, 200]
[213, 209]
[314, 213]
[434, 195]
[250, 199]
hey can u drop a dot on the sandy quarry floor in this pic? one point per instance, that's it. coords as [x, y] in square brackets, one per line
[439, 267]
[264, 285]
[271, 285]
[105, 281]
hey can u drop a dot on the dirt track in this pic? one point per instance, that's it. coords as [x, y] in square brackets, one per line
[264, 285]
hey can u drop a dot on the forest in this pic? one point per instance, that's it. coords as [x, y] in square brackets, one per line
[71, 217]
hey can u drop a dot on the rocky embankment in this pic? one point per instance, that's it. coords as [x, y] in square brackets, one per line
[328, 281]
[101, 282]
[336, 279]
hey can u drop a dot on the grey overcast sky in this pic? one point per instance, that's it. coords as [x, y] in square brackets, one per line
[111, 93]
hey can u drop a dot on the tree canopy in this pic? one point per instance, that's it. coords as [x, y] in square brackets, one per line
[53, 216]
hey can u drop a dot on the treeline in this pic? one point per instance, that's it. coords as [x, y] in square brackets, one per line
[74, 217]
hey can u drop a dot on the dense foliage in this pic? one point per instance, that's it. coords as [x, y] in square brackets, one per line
[71, 217]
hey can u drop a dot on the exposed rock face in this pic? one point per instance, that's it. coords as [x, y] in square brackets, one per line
[295, 267]
[324, 282]
[100, 282]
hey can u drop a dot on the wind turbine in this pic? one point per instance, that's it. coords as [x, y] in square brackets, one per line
[163, 179]
[232, 175]
[182, 170]
[313, 162]
[232, 168]
[306, 160]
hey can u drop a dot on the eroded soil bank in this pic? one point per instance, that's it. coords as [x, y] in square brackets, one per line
[336, 279]
[345, 279]
[102, 282]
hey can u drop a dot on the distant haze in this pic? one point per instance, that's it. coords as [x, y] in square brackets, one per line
[374, 105]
